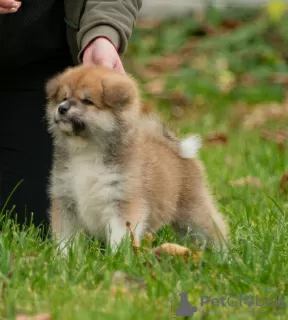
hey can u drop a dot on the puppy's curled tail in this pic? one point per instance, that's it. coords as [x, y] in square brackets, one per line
[190, 146]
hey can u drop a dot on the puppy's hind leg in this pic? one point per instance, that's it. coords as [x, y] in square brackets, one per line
[202, 221]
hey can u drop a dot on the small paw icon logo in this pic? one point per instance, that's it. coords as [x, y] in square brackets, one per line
[184, 309]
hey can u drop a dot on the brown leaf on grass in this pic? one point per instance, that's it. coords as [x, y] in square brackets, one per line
[264, 113]
[155, 87]
[135, 243]
[143, 72]
[210, 30]
[165, 63]
[217, 138]
[42, 316]
[279, 78]
[249, 180]
[178, 98]
[187, 50]
[283, 184]
[173, 249]
[230, 23]
[280, 137]
[147, 24]
[247, 79]
[239, 111]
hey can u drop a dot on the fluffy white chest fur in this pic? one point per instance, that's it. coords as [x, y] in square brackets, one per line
[96, 190]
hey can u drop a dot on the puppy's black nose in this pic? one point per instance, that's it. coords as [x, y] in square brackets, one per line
[64, 107]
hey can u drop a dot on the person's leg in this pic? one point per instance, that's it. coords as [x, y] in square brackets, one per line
[25, 145]
[25, 149]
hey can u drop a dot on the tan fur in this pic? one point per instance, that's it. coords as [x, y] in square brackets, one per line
[120, 165]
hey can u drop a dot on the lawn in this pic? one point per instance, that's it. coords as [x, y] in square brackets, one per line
[224, 76]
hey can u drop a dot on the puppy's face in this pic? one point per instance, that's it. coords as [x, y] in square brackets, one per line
[87, 101]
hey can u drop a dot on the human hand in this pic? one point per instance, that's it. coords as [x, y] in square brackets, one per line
[9, 6]
[102, 52]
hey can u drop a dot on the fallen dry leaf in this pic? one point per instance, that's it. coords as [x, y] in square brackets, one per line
[178, 98]
[279, 78]
[220, 138]
[230, 23]
[280, 137]
[42, 316]
[283, 184]
[155, 87]
[165, 63]
[264, 113]
[187, 50]
[247, 79]
[239, 111]
[147, 24]
[249, 180]
[206, 30]
[143, 72]
[172, 249]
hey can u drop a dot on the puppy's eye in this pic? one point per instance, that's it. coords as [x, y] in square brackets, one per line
[86, 101]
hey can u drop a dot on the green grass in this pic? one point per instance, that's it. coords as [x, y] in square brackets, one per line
[39, 280]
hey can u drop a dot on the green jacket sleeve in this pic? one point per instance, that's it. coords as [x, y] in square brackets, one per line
[114, 19]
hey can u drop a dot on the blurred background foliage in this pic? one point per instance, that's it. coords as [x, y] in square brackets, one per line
[224, 62]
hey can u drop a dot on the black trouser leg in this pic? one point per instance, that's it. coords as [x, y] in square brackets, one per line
[25, 145]
[25, 149]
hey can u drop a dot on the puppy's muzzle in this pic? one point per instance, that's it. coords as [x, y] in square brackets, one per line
[65, 106]
[69, 114]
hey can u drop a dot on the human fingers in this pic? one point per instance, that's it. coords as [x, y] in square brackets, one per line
[9, 6]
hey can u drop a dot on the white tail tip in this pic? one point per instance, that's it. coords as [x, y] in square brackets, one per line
[190, 146]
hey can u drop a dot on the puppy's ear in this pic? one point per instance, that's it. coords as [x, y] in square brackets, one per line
[119, 91]
[52, 87]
